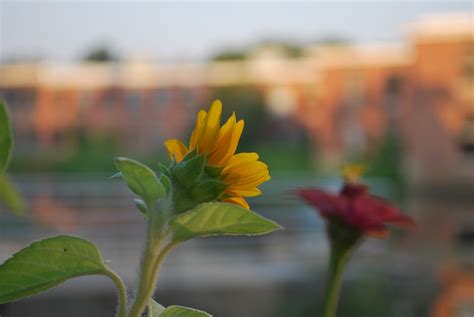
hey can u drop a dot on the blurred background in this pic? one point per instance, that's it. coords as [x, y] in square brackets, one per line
[319, 85]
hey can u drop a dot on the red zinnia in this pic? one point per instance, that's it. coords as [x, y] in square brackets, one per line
[357, 208]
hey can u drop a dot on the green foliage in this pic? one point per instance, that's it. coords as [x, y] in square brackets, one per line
[180, 311]
[89, 153]
[10, 196]
[218, 218]
[47, 263]
[140, 179]
[287, 157]
[79, 153]
[387, 162]
[6, 137]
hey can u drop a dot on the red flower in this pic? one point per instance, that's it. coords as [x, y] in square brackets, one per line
[357, 208]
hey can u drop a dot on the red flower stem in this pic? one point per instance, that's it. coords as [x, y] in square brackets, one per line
[338, 259]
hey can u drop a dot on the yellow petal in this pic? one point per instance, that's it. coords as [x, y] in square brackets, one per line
[244, 176]
[200, 119]
[227, 142]
[176, 149]
[225, 134]
[233, 142]
[238, 159]
[244, 192]
[245, 171]
[207, 139]
[238, 201]
[248, 182]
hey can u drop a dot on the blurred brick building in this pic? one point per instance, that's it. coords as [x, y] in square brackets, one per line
[347, 96]
[422, 90]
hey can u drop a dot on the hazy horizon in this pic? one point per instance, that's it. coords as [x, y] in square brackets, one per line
[65, 31]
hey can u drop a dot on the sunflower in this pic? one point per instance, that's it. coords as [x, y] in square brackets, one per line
[242, 172]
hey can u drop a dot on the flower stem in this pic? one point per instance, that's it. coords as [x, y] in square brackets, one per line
[122, 292]
[152, 259]
[148, 284]
[343, 240]
[337, 263]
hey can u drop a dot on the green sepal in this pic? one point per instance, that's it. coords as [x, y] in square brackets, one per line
[141, 206]
[341, 235]
[165, 181]
[208, 190]
[182, 201]
[187, 172]
[190, 155]
[164, 170]
[213, 171]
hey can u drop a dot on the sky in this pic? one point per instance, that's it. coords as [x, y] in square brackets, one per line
[66, 30]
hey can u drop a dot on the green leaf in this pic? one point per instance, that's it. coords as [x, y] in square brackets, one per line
[6, 137]
[140, 179]
[141, 206]
[180, 311]
[10, 196]
[47, 263]
[218, 218]
[155, 309]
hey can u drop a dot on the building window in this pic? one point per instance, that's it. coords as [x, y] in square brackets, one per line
[189, 98]
[161, 97]
[133, 101]
[110, 98]
[393, 99]
[467, 138]
[85, 100]
[468, 67]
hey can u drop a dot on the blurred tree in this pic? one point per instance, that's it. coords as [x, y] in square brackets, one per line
[289, 48]
[100, 54]
[230, 55]
[332, 40]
